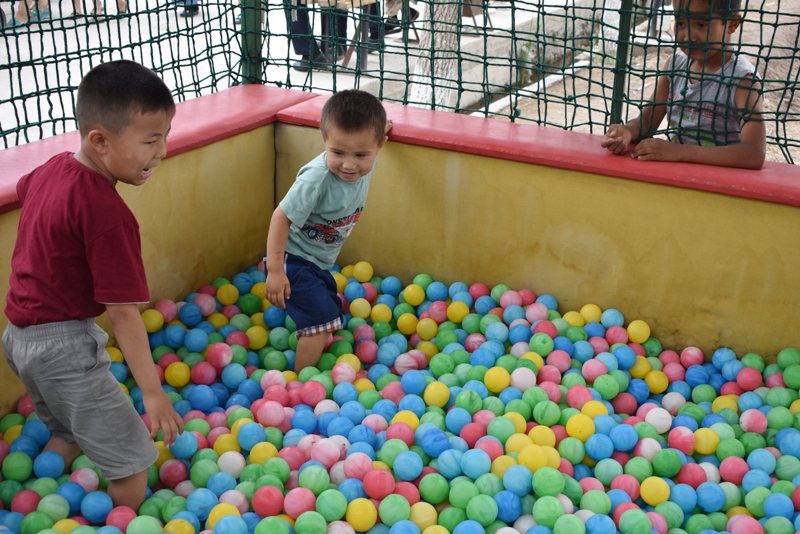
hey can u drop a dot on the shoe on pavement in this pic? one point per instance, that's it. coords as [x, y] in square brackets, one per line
[319, 62]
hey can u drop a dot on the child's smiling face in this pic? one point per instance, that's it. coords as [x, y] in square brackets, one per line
[351, 155]
[703, 33]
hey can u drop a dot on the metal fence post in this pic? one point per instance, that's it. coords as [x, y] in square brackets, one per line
[621, 66]
[252, 41]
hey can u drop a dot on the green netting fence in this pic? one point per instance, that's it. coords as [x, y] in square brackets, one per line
[572, 64]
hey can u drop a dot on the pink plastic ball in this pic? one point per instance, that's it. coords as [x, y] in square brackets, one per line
[298, 501]
[404, 363]
[25, 502]
[545, 327]
[624, 403]
[326, 405]
[25, 406]
[691, 356]
[343, 443]
[401, 431]
[523, 379]
[647, 448]
[343, 372]
[420, 357]
[207, 304]
[528, 297]
[393, 391]
[560, 360]
[749, 379]
[564, 466]
[325, 452]
[569, 507]
[692, 475]
[599, 344]
[407, 490]
[637, 349]
[372, 291]
[217, 419]
[492, 447]
[230, 311]
[591, 483]
[658, 522]
[674, 371]
[208, 289]
[271, 413]
[183, 489]
[552, 390]
[236, 498]
[276, 394]
[86, 478]
[733, 469]
[548, 373]
[120, 516]
[669, 356]
[376, 422]
[479, 289]
[510, 298]
[336, 473]
[682, 439]
[306, 442]
[340, 527]
[367, 351]
[474, 341]
[616, 334]
[362, 332]
[672, 402]
[753, 421]
[219, 355]
[483, 418]
[775, 381]
[730, 388]
[744, 524]
[168, 309]
[173, 472]
[627, 483]
[471, 433]
[273, 378]
[215, 433]
[621, 457]
[293, 456]
[312, 392]
[357, 465]
[577, 396]
[593, 369]
[536, 312]
[238, 338]
[378, 483]
[193, 414]
[438, 311]
[659, 418]
[203, 373]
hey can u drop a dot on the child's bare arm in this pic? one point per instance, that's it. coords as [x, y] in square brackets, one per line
[749, 153]
[132, 338]
[277, 283]
[619, 136]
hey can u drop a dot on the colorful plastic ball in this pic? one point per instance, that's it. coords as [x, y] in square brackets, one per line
[654, 490]
[546, 510]
[298, 501]
[361, 514]
[96, 506]
[48, 464]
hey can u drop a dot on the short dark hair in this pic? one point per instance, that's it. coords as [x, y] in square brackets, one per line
[353, 111]
[112, 92]
[724, 6]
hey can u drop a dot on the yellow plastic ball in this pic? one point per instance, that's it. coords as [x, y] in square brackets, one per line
[414, 294]
[259, 289]
[640, 367]
[457, 311]
[227, 294]
[427, 329]
[726, 401]
[12, 433]
[738, 510]
[261, 452]
[115, 354]
[589, 461]
[124, 388]
[258, 337]
[177, 322]
[219, 511]
[407, 324]
[239, 423]
[520, 425]
[574, 318]
[657, 381]
[179, 526]
[341, 282]
[164, 454]
[795, 407]
[428, 348]
[705, 441]
[153, 320]
[638, 331]
[580, 426]
[435, 529]
[351, 360]
[177, 374]
[360, 308]
[543, 436]
[65, 526]
[347, 271]
[408, 417]
[361, 514]
[363, 271]
[501, 464]
[258, 320]
[591, 313]
[265, 303]
[226, 443]
[290, 376]
[654, 490]
[594, 408]
[553, 458]
[377, 464]
[517, 442]
[217, 319]
[286, 518]
[423, 515]
[381, 313]
[497, 379]
[533, 457]
[436, 394]
[363, 384]
[535, 358]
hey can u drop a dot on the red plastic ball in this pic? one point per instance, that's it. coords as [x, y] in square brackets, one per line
[25, 502]
[267, 501]
[692, 475]
[120, 516]
[378, 483]
[749, 379]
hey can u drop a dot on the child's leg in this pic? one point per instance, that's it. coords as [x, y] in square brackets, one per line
[68, 451]
[129, 491]
[309, 350]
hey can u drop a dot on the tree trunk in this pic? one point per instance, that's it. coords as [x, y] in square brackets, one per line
[434, 75]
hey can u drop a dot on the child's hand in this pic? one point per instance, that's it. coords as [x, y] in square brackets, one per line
[617, 139]
[162, 416]
[656, 150]
[278, 288]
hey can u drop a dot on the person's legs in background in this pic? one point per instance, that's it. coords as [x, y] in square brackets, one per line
[26, 12]
[334, 30]
[302, 37]
[190, 8]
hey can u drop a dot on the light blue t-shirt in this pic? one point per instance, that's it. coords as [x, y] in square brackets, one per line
[323, 210]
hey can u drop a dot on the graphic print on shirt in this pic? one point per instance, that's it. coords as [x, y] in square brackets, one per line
[333, 232]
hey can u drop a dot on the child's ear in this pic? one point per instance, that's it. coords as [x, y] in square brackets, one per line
[98, 140]
[734, 22]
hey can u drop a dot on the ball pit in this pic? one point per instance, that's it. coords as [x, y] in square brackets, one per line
[461, 409]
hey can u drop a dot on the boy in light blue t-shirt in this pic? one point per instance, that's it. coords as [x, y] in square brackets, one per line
[316, 216]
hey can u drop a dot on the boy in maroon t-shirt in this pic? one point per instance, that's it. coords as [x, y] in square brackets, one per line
[77, 255]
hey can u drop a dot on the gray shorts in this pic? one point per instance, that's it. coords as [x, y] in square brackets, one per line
[65, 368]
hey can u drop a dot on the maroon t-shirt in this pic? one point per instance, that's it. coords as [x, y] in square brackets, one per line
[78, 247]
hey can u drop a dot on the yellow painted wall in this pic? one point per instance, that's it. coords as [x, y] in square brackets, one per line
[701, 268]
[203, 214]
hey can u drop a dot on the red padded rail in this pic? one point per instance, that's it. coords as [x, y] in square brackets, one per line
[553, 147]
[197, 123]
